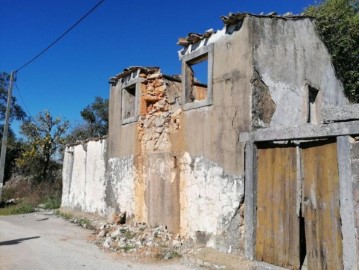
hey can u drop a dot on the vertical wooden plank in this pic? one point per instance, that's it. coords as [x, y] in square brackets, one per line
[321, 206]
[277, 238]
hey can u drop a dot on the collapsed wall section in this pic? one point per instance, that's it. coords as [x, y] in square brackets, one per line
[142, 174]
[83, 177]
[159, 117]
[163, 180]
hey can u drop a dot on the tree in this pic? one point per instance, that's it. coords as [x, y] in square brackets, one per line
[337, 23]
[95, 117]
[45, 137]
[14, 146]
[16, 110]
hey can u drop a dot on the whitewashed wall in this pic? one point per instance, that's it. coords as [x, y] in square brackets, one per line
[84, 182]
[121, 176]
[210, 201]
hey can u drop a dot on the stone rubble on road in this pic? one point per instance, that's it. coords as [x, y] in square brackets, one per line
[139, 242]
[154, 242]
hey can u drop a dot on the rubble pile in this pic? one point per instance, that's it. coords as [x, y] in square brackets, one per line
[139, 239]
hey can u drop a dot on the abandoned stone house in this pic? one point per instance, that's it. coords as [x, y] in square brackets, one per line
[256, 119]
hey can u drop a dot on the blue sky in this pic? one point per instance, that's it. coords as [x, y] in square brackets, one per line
[117, 35]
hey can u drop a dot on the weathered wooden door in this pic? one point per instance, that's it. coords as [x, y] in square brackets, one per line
[287, 180]
[277, 234]
[321, 206]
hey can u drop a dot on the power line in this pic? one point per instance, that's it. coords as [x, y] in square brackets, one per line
[23, 101]
[60, 37]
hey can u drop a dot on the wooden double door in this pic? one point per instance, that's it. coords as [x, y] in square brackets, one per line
[298, 222]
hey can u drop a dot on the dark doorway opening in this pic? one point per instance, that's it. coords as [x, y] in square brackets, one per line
[302, 240]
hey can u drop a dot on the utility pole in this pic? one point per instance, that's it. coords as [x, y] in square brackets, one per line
[5, 132]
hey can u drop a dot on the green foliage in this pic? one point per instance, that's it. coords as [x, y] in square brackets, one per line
[45, 138]
[337, 23]
[16, 110]
[52, 203]
[95, 117]
[168, 254]
[14, 147]
[64, 215]
[85, 223]
[127, 247]
[14, 150]
[81, 221]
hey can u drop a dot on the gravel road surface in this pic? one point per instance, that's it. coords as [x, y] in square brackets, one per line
[40, 241]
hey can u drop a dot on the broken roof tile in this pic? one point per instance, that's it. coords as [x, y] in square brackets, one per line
[192, 38]
[129, 70]
[234, 18]
[150, 73]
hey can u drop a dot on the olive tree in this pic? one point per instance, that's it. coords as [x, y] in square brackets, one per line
[45, 137]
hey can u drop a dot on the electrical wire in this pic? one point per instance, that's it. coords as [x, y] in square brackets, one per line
[30, 117]
[22, 101]
[61, 36]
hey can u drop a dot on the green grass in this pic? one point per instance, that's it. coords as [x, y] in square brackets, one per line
[169, 254]
[64, 215]
[84, 222]
[17, 209]
[52, 203]
[127, 248]
[81, 221]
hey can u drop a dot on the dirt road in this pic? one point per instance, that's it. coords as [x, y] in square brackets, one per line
[40, 241]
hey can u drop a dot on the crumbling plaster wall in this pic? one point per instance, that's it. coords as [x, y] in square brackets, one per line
[185, 168]
[159, 117]
[84, 180]
[212, 158]
[211, 202]
[287, 56]
[123, 191]
[142, 171]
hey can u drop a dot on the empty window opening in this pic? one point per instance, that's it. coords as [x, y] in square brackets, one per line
[197, 79]
[129, 104]
[312, 105]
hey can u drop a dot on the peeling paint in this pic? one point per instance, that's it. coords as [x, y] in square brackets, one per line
[209, 199]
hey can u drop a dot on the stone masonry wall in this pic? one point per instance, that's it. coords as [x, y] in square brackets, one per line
[155, 162]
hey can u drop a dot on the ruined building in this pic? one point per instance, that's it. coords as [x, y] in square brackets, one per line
[256, 119]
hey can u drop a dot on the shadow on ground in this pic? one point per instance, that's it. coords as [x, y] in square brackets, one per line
[17, 241]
